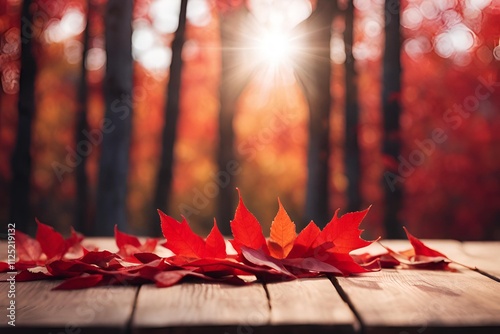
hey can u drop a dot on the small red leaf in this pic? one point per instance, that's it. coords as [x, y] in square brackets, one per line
[123, 239]
[129, 245]
[73, 243]
[420, 248]
[375, 262]
[344, 262]
[246, 229]
[229, 265]
[310, 264]
[26, 275]
[169, 278]
[259, 258]
[215, 246]
[80, 282]
[409, 259]
[51, 242]
[146, 257]
[4, 267]
[27, 248]
[304, 241]
[180, 238]
[99, 258]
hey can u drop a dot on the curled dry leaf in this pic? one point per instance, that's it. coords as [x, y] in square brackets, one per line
[420, 256]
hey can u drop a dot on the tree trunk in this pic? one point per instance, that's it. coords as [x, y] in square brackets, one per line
[112, 185]
[165, 172]
[391, 92]
[82, 192]
[235, 76]
[313, 73]
[351, 154]
[20, 206]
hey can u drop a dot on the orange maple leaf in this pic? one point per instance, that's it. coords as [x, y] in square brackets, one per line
[282, 234]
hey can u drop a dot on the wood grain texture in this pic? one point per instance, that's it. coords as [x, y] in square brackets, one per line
[104, 308]
[310, 302]
[486, 255]
[200, 307]
[418, 300]
[396, 300]
[3, 250]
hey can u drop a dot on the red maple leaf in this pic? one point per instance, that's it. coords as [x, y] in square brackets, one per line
[421, 250]
[246, 230]
[344, 232]
[129, 245]
[338, 238]
[27, 248]
[81, 282]
[180, 238]
[304, 241]
[185, 243]
[215, 246]
[51, 242]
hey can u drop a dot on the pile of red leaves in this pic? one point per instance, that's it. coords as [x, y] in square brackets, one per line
[284, 256]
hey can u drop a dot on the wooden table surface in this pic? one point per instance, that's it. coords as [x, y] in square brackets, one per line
[390, 301]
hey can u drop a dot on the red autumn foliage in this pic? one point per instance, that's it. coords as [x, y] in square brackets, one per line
[285, 256]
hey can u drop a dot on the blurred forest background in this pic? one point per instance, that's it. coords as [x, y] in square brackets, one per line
[324, 104]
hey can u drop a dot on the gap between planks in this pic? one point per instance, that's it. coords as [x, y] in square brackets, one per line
[311, 302]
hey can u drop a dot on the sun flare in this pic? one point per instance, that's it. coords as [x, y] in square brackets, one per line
[275, 48]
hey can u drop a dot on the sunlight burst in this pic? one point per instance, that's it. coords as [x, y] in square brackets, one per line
[275, 48]
[274, 53]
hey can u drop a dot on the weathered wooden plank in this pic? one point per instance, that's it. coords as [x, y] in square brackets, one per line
[95, 310]
[482, 255]
[486, 255]
[38, 309]
[418, 300]
[200, 308]
[313, 302]
[3, 250]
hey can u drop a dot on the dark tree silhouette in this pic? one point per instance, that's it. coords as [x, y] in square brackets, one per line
[235, 76]
[391, 92]
[165, 172]
[352, 153]
[82, 191]
[112, 184]
[20, 208]
[313, 72]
